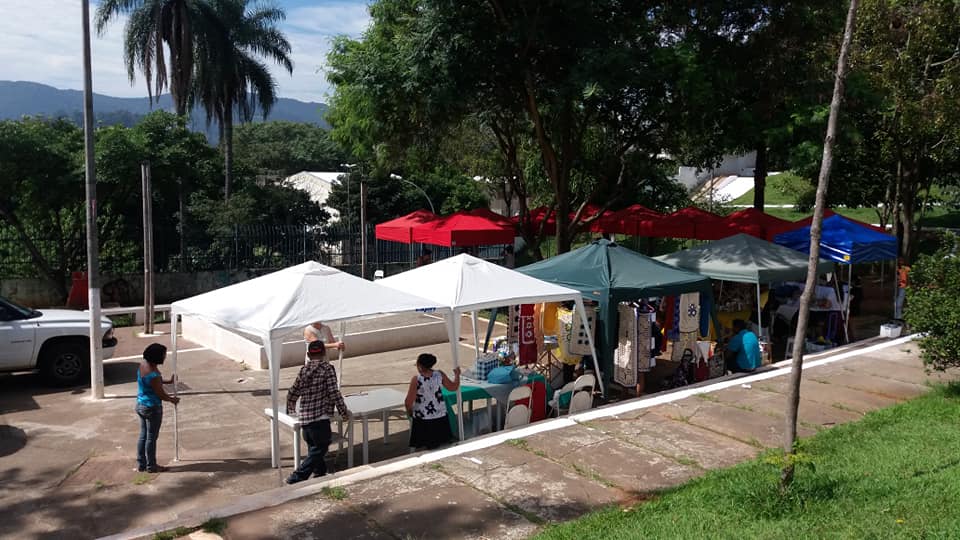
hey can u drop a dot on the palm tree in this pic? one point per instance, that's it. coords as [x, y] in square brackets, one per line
[230, 75]
[178, 24]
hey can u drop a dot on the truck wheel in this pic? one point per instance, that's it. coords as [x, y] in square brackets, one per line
[66, 363]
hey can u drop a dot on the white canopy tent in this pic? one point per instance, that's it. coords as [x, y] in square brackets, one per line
[466, 284]
[272, 306]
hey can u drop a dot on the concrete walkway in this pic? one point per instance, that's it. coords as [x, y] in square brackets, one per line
[508, 485]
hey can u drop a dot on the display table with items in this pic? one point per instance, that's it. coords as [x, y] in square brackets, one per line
[472, 389]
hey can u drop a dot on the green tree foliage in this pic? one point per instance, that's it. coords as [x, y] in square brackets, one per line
[933, 305]
[41, 190]
[276, 149]
[545, 79]
[751, 70]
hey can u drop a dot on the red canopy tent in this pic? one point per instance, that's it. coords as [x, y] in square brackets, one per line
[537, 215]
[689, 222]
[401, 228]
[634, 220]
[757, 223]
[479, 227]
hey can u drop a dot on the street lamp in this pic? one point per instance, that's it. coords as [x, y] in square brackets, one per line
[418, 188]
[363, 215]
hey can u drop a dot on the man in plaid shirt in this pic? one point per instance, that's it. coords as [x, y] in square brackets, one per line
[316, 388]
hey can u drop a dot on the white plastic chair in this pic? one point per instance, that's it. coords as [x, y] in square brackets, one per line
[581, 401]
[584, 383]
[519, 414]
[378, 275]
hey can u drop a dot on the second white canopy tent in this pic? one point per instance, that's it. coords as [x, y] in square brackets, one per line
[466, 284]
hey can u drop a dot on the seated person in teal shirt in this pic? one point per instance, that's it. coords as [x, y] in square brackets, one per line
[743, 350]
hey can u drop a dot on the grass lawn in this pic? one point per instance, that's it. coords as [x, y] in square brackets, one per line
[894, 474]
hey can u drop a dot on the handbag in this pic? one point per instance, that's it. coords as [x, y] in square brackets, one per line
[485, 364]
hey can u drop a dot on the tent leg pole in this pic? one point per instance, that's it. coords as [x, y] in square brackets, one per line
[343, 333]
[476, 335]
[453, 330]
[593, 348]
[173, 366]
[274, 365]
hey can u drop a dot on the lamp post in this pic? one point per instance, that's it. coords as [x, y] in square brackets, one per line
[418, 188]
[93, 249]
[363, 215]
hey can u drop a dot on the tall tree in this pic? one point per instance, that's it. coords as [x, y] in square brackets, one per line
[823, 182]
[753, 65]
[542, 76]
[178, 24]
[231, 78]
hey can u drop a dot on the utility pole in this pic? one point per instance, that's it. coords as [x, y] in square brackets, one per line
[363, 227]
[93, 251]
[147, 249]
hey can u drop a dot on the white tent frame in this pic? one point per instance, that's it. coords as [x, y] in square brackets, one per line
[458, 310]
[272, 340]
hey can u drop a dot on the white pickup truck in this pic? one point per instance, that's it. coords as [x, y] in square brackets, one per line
[55, 341]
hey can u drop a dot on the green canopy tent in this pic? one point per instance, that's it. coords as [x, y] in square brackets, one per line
[608, 274]
[745, 259]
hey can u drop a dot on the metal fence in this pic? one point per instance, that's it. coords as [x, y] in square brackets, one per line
[244, 247]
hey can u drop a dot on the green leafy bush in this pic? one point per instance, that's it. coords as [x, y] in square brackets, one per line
[933, 305]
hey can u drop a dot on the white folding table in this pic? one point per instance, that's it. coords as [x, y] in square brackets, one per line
[364, 405]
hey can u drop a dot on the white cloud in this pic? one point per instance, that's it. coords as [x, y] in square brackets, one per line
[41, 41]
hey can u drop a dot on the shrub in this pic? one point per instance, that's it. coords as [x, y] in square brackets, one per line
[933, 305]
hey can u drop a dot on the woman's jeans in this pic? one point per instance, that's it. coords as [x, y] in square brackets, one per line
[150, 420]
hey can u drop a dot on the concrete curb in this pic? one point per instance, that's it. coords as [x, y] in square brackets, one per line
[281, 495]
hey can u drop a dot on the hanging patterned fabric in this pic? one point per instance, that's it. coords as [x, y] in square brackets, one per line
[579, 343]
[689, 313]
[672, 320]
[565, 337]
[527, 353]
[687, 340]
[513, 324]
[644, 360]
[625, 357]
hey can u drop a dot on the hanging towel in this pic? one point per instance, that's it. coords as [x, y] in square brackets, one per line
[625, 356]
[579, 343]
[565, 337]
[689, 312]
[513, 324]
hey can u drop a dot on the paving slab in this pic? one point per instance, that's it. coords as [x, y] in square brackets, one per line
[812, 414]
[749, 426]
[312, 518]
[426, 503]
[832, 394]
[683, 442]
[890, 369]
[535, 484]
[600, 456]
[896, 390]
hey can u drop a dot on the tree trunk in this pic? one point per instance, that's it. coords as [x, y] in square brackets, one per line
[227, 152]
[793, 398]
[57, 279]
[760, 176]
[908, 208]
[183, 225]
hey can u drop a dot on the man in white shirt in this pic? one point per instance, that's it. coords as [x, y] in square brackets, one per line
[321, 332]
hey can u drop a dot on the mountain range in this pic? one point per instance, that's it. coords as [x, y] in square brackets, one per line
[24, 98]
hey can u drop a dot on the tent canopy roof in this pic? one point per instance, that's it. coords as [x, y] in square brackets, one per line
[466, 283]
[603, 270]
[479, 227]
[401, 229]
[274, 305]
[745, 259]
[766, 225]
[844, 240]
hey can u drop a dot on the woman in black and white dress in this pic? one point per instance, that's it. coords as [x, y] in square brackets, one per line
[424, 403]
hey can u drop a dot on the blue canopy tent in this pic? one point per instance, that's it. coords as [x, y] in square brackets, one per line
[843, 241]
[846, 242]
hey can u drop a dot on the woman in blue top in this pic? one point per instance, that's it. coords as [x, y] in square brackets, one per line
[150, 395]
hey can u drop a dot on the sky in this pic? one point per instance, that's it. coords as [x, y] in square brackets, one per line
[40, 41]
